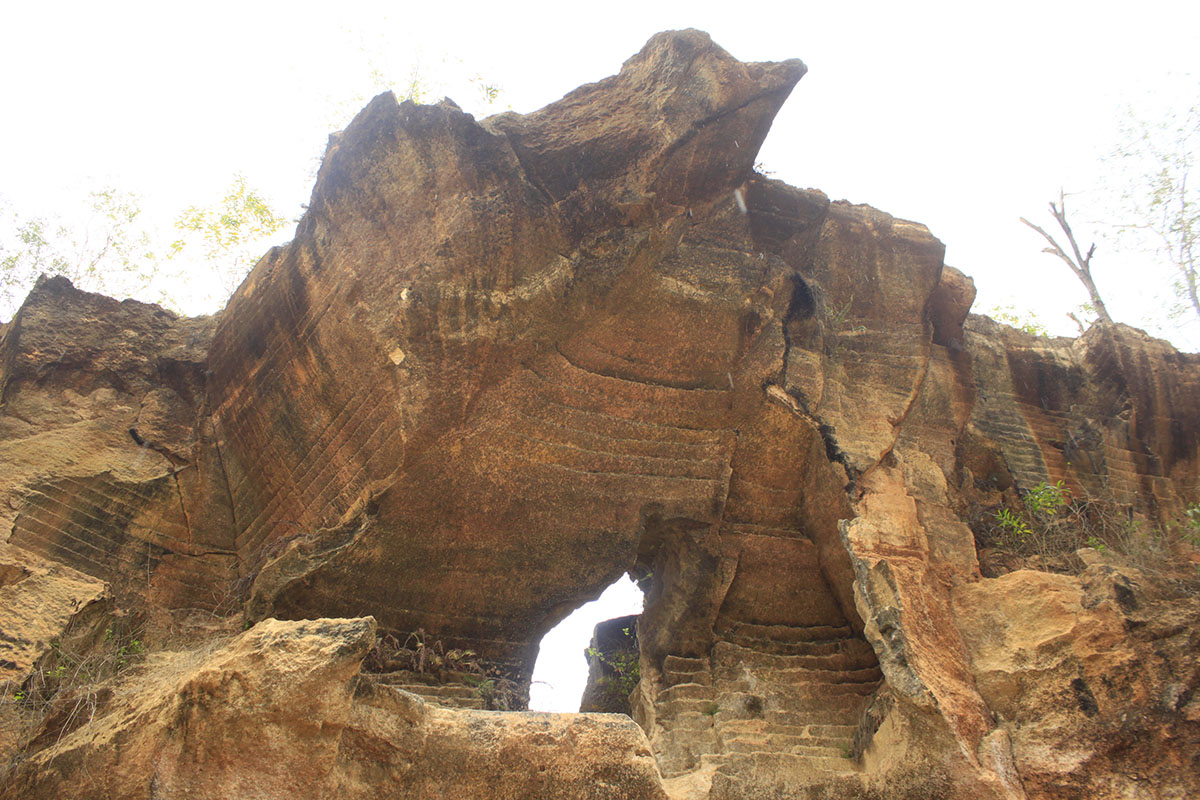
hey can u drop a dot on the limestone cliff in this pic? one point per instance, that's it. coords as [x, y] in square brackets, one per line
[504, 362]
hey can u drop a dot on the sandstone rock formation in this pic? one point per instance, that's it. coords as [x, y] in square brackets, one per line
[275, 712]
[504, 362]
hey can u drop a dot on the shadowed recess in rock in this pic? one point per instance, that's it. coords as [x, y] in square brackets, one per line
[561, 673]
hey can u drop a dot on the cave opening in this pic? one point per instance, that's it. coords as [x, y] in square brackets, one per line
[561, 670]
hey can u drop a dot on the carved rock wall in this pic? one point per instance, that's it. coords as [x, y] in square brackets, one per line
[504, 362]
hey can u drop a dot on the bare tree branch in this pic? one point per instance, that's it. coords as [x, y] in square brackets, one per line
[1078, 324]
[1081, 265]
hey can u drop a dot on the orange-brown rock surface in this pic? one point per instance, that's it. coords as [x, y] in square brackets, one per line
[277, 712]
[504, 362]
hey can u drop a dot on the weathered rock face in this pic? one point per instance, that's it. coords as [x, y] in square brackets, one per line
[1093, 679]
[276, 712]
[510, 412]
[504, 362]
[108, 467]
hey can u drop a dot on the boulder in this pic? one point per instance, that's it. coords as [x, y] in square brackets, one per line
[281, 711]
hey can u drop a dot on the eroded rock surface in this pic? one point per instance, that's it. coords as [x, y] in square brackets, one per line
[107, 465]
[504, 362]
[278, 712]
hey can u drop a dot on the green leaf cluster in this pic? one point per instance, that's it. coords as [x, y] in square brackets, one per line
[222, 232]
[624, 671]
[1026, 321]
[113, 249]
[1030, 526]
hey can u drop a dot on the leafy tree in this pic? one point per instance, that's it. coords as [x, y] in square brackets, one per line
[1161, 198]
[110, 251]
[1025, 321]
[114, 250]
[229, 234]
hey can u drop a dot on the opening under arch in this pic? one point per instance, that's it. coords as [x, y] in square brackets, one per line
[560, 673]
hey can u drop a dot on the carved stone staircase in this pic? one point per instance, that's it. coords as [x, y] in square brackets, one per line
[455, 693]
[790, 699]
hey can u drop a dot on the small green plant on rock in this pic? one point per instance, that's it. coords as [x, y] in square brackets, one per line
[1016, 530]
[1046, 500]
[1191, 525]
[1039, 525]
[66, 688]
[625, 671]
[1050, 523]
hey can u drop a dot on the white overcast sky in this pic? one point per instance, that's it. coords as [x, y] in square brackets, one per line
[962, 116]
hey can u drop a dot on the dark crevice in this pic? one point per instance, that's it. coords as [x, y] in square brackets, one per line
[229, 495]
[187, 520]
[802, 304]
[832, 451]
[802, 307]
[1084, 697]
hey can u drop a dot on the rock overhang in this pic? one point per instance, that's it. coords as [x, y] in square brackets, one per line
[505, 361]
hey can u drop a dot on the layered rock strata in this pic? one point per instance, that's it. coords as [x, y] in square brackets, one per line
[504, 362]
[275, 712]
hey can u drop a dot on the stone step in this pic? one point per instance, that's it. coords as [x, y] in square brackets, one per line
[838, 747]
[837, 716]
[782, 744]
[784, 765]
[792, 676]
[693, 720]
[791, 633]
[677, 669]
[789, 690]
[827, 647]
[817, 716]
[406, 676]
[814, 732]
[675, 708]
[448, 677]
[686, 691]
[473, 703]
[818, 783]
[849, 653]
[744, 670]
[801, 717]
[748, 705]
[446, 690]
[685, 664]
[870, 674]
[673, 678]
[449, 700]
